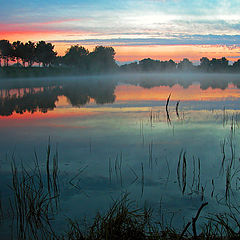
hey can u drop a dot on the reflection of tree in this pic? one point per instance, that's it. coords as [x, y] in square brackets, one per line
[102, 60]
[150, 65]
[148, 83]
[29, 102]
[78, 94]
[214, 84]
[103, 94]
[185, 65]
[184, 80]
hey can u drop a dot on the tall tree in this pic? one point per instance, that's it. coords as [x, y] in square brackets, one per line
[236, 66]
[102, 59]
[6, 51]
[149, 64]
[29, 48]
[204, 64]
[45, 53]
[185, 65]
[76, 56]
[17, 50]
[219, 65]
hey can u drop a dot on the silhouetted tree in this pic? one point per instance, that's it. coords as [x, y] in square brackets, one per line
[219, 65]
[29, 49]
[149, 64]
[168, 66]
[6, 51]
[204, 64]
[76, 56]
[236, 66]
[17, 50]
[130, 67]
[185, 65]
[45, 53]
[102, 59]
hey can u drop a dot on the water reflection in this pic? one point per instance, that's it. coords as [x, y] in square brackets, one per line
[43, 99]
[32, 96]
[127, 145]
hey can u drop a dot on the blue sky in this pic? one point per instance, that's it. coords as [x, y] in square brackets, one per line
[118, 22]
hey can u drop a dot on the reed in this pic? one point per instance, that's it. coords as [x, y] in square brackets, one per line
[31, 204]
[142, 182]
[228, 183]
[167, 112]
[150, 154]
[184, 173]
[36, 201]
[177, 106]
[151, 117]
[222, 145]
[33, 194]
[199, 174]
[1, 209]
[213, 188]
[178, 168]
[194, 174]
[110, 170]
[182, 181]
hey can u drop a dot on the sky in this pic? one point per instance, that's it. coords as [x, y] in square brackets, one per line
[160, 29]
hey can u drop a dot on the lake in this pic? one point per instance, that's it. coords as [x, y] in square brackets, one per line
[170, 141]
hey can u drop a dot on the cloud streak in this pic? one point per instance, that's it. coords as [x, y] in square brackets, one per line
[173, 40]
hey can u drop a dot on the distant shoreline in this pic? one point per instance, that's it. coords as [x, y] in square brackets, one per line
[80, 61]
[40, 72]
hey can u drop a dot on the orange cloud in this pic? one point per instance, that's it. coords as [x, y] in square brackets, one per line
[40, 31]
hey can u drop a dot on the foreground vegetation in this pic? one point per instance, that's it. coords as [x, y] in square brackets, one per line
[35, 203]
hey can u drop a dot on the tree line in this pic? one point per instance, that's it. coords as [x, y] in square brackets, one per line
[101, 59]
[27, 53]
[185, 65]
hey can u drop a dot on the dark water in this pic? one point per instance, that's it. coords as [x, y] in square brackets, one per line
[114, 135]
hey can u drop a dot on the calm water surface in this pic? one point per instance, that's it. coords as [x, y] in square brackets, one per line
[114, 135]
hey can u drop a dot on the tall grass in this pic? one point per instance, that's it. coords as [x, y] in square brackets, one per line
[182, 162]
[34, 194]
[1, 209]
[177, 106]
[167, 112]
